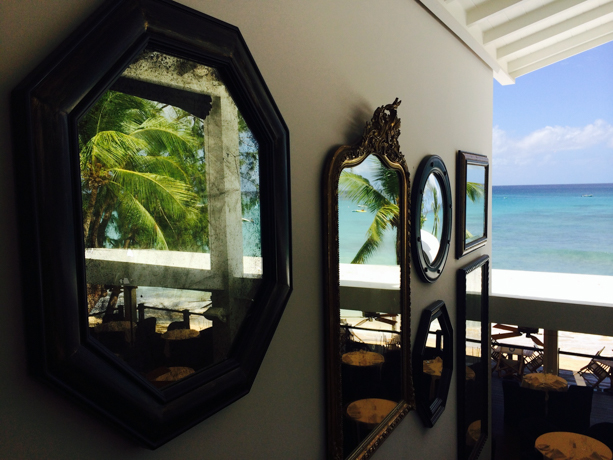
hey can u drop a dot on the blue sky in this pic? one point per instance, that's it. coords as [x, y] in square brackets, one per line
[555, 125]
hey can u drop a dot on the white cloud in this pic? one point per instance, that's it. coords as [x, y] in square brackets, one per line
[549, 140]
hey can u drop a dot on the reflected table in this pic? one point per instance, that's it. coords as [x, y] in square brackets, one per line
[434, 368]
[473, 433]
[166, 375]
[176, 335]
[544, 382]
[370, 411]
[363, 358]
[566, 445]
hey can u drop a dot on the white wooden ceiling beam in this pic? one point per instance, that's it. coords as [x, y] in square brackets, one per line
[563, 49]
[566, 54]
[528, 19]
[557, 29]
[486, 9]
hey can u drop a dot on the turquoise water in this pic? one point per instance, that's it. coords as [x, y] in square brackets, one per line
[547, 228]
[353, 226]
[553, 228]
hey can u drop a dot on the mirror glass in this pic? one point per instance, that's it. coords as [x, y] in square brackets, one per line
[433, 359]
[475, 203]
[431, 213]
[431, 216]
[475, 372]
[472, 196]
[433, 362]
[171, 217]
[370, 308]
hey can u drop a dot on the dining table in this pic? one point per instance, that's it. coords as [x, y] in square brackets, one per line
[363, 358]
[565, 445]
[370, 411]
[544, 382]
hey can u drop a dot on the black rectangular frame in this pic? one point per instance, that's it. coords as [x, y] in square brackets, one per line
[464, 160]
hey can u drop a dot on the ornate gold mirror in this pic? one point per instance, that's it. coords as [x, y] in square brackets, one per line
[366, 241]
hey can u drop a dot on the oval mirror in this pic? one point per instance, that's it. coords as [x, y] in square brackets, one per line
[367, 290]
[431, 211]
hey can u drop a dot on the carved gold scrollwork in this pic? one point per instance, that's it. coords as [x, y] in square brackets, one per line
[381, 133]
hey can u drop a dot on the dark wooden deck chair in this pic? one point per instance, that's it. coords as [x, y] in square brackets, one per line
[595, 369]
[534, 362]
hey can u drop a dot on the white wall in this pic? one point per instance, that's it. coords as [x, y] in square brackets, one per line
[328, 65]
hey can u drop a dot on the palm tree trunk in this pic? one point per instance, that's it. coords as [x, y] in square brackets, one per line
[90, 210]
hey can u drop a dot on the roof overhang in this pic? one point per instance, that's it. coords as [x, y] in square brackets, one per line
[515, 37]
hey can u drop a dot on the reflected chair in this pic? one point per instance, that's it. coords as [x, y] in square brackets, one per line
[595, 369]
[534, 362]
[510, 367]
[496, 357]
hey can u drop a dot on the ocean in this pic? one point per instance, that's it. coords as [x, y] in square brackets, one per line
[553, 228]
[547, 228]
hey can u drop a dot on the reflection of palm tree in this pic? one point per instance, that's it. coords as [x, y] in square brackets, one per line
[436, 208]
[380, 198]
[133, 173]
[474, 192]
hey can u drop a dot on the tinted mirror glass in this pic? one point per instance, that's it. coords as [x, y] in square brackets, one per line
[171, 217]
[472, 196]
[431, 219]
[366, 281]
[473, 362]
[433, 362]
[369, 289]
[475, 203]
[431, 213]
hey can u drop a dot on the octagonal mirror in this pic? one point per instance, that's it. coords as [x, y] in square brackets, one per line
[156, 218]
[433, 362]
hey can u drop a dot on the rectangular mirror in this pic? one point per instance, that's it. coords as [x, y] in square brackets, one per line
[473, 360]
[472, 196]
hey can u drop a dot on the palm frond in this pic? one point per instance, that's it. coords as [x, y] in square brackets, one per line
[374, 235]
[112, 149]
[137, 216]
[359, 190]
[173, 196]
[165, 136]
[474, 191]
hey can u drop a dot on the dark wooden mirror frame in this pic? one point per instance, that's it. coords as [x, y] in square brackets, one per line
[482, 263]
[46, 107]
[432, 164]
[431, 411]
[464, 160]
[380, 138]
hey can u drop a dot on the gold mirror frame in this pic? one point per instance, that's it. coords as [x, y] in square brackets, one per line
[380, 138]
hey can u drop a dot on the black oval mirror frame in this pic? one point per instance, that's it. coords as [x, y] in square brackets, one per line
[429, 271]
[47, 106]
